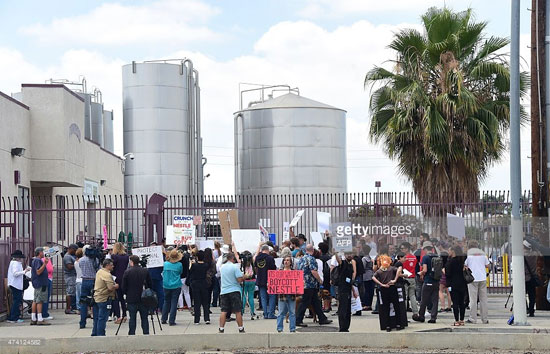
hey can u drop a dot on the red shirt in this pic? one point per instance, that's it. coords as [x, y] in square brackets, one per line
[410, 264]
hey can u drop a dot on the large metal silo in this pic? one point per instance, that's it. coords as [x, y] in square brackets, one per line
[290, 145]
[162, 128]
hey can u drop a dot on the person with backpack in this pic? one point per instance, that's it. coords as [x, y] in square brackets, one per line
[135, 278]
[347, 270]
[368, 283]
[432, 269]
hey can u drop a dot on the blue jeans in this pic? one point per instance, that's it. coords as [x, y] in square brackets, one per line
[268, 302]
[215, 291]
[170, 304]
[159, 289]
[46, 304]
[86, 290]
[101, 314]
[287, 306]
[78, 287]
[15, 311]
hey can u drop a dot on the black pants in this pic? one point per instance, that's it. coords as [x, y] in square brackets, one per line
[430, 295]
[459, 305]
[344, 310]
[310, 297]
[133, 309]
[389, 296]
[201, 297]
[531, 288]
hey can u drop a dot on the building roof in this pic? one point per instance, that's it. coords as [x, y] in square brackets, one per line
[9, 98]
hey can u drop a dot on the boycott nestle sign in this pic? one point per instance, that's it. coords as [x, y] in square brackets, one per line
[285, 282]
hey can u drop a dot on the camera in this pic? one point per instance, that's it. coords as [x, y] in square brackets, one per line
[143, 260]
[88, 300]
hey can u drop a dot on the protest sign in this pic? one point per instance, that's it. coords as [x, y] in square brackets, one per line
[229, 220]
[246, 240]
[204, 244]
[285, 282]
[105, 245]
[316, 238]
[455, 226]
[183, 231]
[155, 255]
[278, 262]
[342, 238]
[294, 221]
[323, 222]
[286, 231]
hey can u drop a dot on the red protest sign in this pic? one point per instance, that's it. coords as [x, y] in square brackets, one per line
[285, 282]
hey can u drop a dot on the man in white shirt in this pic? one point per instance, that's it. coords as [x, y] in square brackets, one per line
[15, 283]
[477, 262]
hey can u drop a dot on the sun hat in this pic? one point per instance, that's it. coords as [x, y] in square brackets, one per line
[174, 256]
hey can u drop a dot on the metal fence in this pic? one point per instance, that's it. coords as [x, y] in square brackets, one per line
[62, 220]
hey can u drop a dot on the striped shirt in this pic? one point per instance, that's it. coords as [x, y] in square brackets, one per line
[87, 266]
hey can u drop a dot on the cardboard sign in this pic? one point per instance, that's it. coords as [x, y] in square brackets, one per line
[342, 238]
[285, 282]
[323, 222]
[229, 220]
[246, 240]
[294, 221]
[202, 245]
[183, 231]
[155, 255]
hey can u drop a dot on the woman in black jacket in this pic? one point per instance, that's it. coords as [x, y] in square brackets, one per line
[197, 281]
[454, 272]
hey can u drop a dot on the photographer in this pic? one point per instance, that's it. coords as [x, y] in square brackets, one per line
[88, 270]
[104, 292]
[133, 281]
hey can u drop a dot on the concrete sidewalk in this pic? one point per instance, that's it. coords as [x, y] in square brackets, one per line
[64, 334]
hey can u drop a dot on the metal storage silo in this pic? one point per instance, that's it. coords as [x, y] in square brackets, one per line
[108, 134]
[290, 145]
[97, 123]
[162, 128]
[87, 115]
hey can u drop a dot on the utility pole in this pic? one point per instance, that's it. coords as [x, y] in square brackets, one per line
[539, 180]
[518, 270]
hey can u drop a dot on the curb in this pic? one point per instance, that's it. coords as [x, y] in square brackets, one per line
[234, 341]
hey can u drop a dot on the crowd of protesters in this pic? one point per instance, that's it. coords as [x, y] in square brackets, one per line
[429, 277]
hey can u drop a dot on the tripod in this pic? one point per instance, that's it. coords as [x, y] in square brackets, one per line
[510, 294]
[153, 321]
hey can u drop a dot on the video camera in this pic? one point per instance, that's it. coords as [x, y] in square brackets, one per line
[246, 259]
[144, 259]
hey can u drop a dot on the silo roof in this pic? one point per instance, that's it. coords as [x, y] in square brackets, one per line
[290, 100]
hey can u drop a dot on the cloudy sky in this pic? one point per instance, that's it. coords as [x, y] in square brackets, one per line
[324, 47]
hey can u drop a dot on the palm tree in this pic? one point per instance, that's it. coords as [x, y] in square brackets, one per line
[442, 112]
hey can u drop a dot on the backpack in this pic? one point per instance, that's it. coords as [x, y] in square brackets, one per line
[359, 268]
[437, 267]
[149, 298]
[335, 276]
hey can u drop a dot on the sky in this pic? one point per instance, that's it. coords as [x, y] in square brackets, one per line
[324, 47]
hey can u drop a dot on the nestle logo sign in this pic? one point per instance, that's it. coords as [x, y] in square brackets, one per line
[184, 218]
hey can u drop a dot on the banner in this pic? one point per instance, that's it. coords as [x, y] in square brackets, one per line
[155, 255]
[285, 282]
[183, 231]
[316, 238]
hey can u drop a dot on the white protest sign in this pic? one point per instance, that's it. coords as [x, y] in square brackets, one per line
[155, 255]
[455, 226]
[183, 230]
[202, 245]
[286, 231]
[323, 221]
[278, 262]
[246, 240]
[294, 221]
[316, 238]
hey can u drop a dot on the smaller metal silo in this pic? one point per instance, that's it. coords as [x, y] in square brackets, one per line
[108, 134]
[97, 123]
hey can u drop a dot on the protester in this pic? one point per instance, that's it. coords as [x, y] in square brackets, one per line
[295, 246]
[368, 283]
[386, 277]
[373, 247]
[477, 261]
[210, 273]
[325, 258]
[104, 293]
[46, 304]
[78, 281]
[249, 276]
[455, 282]
[230, 294]
[15, 284]
[197, 280]
[172, 286]
[156, 278]
[430, 288]
[264, 262]
[224, 250]
[87, 266]
[530, 271]
[120, 263]
[184, 294]
[347, 269]
[136, 278]
[69, 275]
[312, 281]
[410, 266]
[443, 290]
[39, 279]
[287, 303]
[384, 251]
